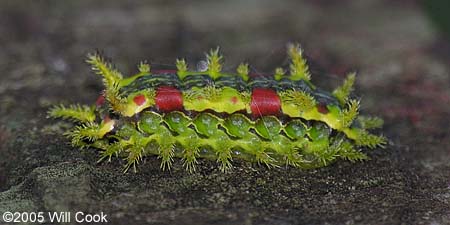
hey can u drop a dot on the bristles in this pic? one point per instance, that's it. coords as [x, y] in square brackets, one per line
[242, 71]
[326, 154]
[182, 68]
[299, 68]
[111, 79]
[301, 99]
[76, 113]
[264, 158]
[224, 158]
[370, 140]
[144, 67]
[86, 132]
[214, 63]
[293, 158]
[210, 93]
[343, 92]
[110, 75]
[279, 73]
[368, 122]
[166, 154]
[134, 157]
[350, 114]
[347, 151]
[110, 150]
[189, 157]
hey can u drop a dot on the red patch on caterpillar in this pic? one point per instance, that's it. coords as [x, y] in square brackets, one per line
[106, 119]
[322, 108]
[234, 100]
[265, 102]
[100, 101]
[168, 99]
[139, 99]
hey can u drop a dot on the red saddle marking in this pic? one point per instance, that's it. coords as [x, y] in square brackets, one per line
[168, 99]
[265, 102]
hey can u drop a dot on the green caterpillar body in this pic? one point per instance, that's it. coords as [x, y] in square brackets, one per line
[277, 120]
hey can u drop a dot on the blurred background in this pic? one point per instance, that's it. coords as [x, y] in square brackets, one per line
[399, 49]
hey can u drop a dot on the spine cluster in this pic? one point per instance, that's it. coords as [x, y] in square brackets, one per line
[277, 120]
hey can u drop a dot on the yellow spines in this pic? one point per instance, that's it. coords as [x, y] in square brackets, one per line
[242, 71]
[77, 113]
[111, 79]
[295, 102]
[370, 140]
[369, 122]
[209, 93]
[182, 68]
[90, 131]
[347, 151]
[111, 76]
[214, 63]
[298, 68]
[279, 73]
[343, 92]
[349, 115]
[144, 67]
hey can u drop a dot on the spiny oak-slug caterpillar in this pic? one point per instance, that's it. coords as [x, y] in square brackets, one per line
[274, 120]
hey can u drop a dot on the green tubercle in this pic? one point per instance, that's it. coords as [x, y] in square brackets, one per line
[203, 132]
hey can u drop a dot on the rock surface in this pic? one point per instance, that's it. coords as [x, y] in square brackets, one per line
[403, 75]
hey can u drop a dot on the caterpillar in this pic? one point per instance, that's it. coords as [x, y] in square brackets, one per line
[276, 120]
